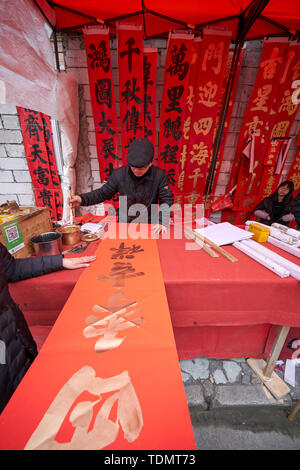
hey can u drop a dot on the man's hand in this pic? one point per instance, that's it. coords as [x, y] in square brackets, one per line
[159, 228]
[75, 201]
[76, 263]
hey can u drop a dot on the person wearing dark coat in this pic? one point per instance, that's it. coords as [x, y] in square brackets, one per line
[18, 348]
[295, 209]
[141, 182]
[277, 207]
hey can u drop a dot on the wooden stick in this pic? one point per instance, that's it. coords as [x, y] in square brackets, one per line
[294, 411]
[217, 248]
[205, 247]
[276, 349]
[71, 208]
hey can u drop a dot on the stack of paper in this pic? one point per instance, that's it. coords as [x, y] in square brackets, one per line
[224, 233]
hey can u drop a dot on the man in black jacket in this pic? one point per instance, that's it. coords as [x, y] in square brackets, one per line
[18, 348]
[142, 185]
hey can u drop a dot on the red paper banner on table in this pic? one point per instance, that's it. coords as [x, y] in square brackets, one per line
[149, 79]
[257, 121]
[176, 80]
[102, 98]
[97, 382]
[40, 163]
[130, 60]
[211, 68]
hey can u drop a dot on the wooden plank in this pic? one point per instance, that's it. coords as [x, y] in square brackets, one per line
[294, 411]
[217, 248]
[276, 349]
[275, 384]
[205, 247]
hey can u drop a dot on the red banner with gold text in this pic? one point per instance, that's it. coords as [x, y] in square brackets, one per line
[211, 69]
[149, 78]
[97, 382]
[130, 61]
[102, 98]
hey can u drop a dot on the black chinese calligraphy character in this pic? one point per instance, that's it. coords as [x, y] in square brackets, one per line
[108, 148]
[104, 125]
[46, 197]
[99, 57]
[169, 154]
[41, 174]
[36, 153]
[33, 126]
[47, 133]
[178, 67]
[174, 94]
[146, 73]
[132, 120]
[108, 170]
[172, 128]
[171, 176]
[126, 251]
[130, 51]
[125, 270]
[129, 94]
[103, 93]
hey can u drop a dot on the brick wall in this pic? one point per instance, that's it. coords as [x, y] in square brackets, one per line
[14, 175]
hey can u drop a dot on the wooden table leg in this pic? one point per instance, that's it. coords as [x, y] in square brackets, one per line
[294, 411]
[276, 349]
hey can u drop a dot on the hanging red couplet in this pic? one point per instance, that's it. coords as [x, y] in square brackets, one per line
[130, 61]
[211, 69]
[36, 151]
[257, 121]
[294, 173]
[149, 79]
[102, 98]
[176, 80]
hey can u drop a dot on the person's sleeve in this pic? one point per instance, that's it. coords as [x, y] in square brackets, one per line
[165, 198]
[261, 206]
[106, 192]
[25, 268]
[260, 213]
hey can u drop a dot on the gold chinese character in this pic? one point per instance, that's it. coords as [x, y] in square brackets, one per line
[279, 129]
[287, 104]
[199, 153]
[181, 180]
[290, 57]
[196, 174]
[207, 93]
[186, 128]
[213, 53]
[252, 126]
[183, 156]
[193, 197]
[203, 126]
[296, 70]
[270, 65]
[261, 98]
[190, 98]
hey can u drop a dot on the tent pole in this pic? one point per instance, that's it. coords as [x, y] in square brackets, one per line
[232, 73]
[56, 49]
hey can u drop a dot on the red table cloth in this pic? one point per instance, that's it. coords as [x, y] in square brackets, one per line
[218, 308]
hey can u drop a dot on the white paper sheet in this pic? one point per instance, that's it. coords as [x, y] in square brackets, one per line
[224, 233]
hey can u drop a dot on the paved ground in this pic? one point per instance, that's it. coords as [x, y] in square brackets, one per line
[232, 410]
[213, 383]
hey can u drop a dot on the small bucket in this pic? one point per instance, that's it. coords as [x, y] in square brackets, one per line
[48, 243]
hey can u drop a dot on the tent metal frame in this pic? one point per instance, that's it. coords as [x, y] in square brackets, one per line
[246, 19]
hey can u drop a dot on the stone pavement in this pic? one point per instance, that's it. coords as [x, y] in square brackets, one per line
[212, 383]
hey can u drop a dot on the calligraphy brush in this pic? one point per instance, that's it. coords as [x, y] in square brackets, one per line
[71, 208]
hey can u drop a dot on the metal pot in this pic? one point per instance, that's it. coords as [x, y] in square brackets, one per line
[48, 243]
[70, 234]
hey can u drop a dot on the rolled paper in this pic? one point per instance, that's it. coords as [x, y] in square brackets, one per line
[268, 263]
[291, 267]
[284, 246]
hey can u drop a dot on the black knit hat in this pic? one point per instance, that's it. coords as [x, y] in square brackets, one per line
[140, 153]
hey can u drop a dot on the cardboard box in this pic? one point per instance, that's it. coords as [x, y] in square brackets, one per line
[17, 233]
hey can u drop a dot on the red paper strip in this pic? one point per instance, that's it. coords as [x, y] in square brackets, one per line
[211, 70]
[294, 172]
[97, 382]
[149, 79]
[176, 80]
[36, 151]
[102, 98]
[130, 60]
